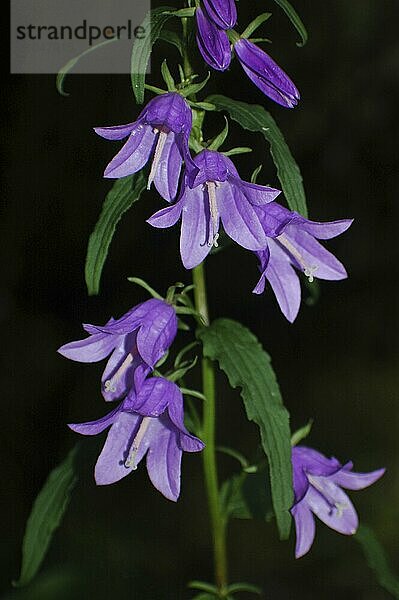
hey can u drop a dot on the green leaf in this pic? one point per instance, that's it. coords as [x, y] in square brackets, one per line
[295, 20]
[182, 13]
[301, 433]
[203, 586]
[247, 497]
[219, 139]
[153, 22]
[171, 38]
[119, 199]
[253, 26]
[377, 560]
[247, 366]
[244, 587]
[46, 515]
[255, 118]
[63, 72]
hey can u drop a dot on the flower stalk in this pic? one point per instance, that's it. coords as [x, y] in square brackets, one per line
[208, 436]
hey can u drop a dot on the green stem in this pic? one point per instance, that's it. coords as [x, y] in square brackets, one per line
[208, 434]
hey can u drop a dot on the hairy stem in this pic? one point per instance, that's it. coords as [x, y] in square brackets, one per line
[208, 434]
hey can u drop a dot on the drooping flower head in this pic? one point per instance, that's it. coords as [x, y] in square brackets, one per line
[223, 13]
[317, 488]
[213, 42]
[162, 131]
[149, 421]
[265, 73]
[293, 245]
[137, 341]
[217, 194]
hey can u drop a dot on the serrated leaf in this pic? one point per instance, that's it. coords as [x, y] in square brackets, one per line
[255, 118]
[377, 560]
[247, 366]
[295, 20]
[154, 21]
[46, 515]
[123, 194]
[63, 72]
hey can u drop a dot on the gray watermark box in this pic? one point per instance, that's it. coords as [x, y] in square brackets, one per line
[47, 34]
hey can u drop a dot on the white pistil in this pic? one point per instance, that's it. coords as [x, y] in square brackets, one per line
[109, 385]
[131, 460]
[308, 270]
[162, 135]
[213, 209]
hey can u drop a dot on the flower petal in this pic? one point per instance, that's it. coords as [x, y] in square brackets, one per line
[314, 462]
[305, 528]
[164, 459]
[256, 194]
[167, 217]
[117, 132]
[110, 466]
[153, 397]
[91, 349]
[157, 332]
[213, 42]
[95, 427]
[118, 376]
[323, 264]
[134, 154]
[195, 225]
[322, 231]
[332, 506]
[188, 442]
[239, 217]
[356, 481]
[222, 12]
[284, 281]
[167, 174]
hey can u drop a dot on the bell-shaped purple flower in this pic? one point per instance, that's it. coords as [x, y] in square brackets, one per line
[150, 421]
[293, 245]
[266, 74]
[222, 12]
[317, 488]
[137, 341]
[162, 131]
[217, 194]
[213, 42]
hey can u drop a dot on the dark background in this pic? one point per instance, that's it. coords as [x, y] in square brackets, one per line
[337, 363]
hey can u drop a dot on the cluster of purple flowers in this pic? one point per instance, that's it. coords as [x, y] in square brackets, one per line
[149, 418]
[212, 192]
[213, 21]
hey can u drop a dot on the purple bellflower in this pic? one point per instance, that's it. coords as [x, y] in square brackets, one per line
[149, 422]
[293, 245]
[317, 488]
[213, 42]
[217, 194]
[222, 12]
[137, 341]
[266, 74]
[162, 130]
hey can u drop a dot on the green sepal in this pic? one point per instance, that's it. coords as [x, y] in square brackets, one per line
[244, 587]
[220, 138]
[167, 76]
[254, 176]
[239, 150]
[301, 433]
[295, 20]
[182, 13]
[253, 26]
[194, 88]
[145, 286]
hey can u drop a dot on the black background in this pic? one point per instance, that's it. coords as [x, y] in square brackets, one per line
[337, 363]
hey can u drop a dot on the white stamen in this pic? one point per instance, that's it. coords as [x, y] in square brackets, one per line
[109, 385]
[213, 208]
[308, 270]
[162, 135]
[131, 460]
